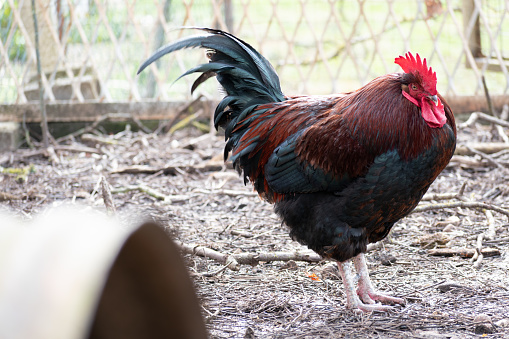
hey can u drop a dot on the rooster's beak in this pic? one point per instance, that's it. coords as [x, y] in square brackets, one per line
[433, 98]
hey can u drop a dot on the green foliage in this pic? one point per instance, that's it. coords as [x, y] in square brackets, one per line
[16, 48]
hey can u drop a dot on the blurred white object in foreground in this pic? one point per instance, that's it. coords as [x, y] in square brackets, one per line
[76, 273]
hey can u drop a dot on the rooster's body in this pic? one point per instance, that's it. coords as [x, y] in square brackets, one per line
[340, 169]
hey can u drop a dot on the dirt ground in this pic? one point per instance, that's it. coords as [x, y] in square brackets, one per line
[181, 182]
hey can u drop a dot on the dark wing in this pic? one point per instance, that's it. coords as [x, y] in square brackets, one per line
[301, 145]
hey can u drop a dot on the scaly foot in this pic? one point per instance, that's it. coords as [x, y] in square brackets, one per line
[364, 303]
[365, 289]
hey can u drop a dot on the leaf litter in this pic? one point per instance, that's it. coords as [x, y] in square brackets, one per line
[181, 182]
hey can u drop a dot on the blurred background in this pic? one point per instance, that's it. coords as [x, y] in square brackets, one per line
[170, 166]
[91, 49]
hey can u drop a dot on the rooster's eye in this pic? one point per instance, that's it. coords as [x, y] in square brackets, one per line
[414, 87]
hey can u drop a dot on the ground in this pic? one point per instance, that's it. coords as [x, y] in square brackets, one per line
[208, 205]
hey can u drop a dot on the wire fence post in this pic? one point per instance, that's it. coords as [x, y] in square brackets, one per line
[44, 120]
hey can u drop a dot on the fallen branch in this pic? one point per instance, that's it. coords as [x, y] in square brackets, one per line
[76, 148]
[107, 197]
[463, 252]
[488, 235]
[478, 255]
[488, 97]
[20, 154]
[485, 147]
[144, 169]
[445, 196]
[255, 258]
[50, 153]
[498, 241]
[184, 109]
[211, 166]
[500, 130]
[234, 261]
[99, 139]
[422, 289]
[108, 116]
[437, 196]
[451, 285]
[466, 161]
[216, 272]
[4, 196]
[242, 233]
[484, 117]
[140, 125]
[151, 192]
[233, 193]
[487, 157]
[186, 121]
[209, 253]
[6, 158]
[463, 204]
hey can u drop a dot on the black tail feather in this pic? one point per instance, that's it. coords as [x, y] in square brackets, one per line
[248, 78]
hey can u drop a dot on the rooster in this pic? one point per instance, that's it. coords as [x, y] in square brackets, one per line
[341, 169]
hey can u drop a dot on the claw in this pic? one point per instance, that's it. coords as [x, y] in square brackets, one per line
[365, 289]
[367, 308]
[365, 297]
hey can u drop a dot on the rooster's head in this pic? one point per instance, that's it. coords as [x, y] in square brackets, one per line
[420, 87]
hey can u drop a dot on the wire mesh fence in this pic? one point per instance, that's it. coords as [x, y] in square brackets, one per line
[91, 49]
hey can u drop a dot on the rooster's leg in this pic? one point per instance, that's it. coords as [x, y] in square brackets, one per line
[365, 289]
[352, 299]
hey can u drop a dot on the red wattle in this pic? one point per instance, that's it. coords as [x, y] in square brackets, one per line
[434, 115]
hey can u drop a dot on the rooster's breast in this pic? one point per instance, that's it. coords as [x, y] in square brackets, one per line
[340, 224]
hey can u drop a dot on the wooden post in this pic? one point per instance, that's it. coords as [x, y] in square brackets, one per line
[44, 120]
[48, 52]
[474, 39]
[159, 40]
[228, 15]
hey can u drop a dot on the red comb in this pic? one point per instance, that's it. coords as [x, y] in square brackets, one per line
[419, 68]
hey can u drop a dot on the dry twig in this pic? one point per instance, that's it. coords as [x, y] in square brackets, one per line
[99, 120]
[463, 204]
[151, 192]
[4, 196]
[445, 196]
[485, 147]
[234, 261]
[209, 253]
[233, 193]
[463, 252]
[50, 153]
[184, 109]
[488, 235]
[186, 121]
[484, 117]
[107, 197]
[487, 157]
[500, 130]
[488, 97]
[99, 139]
[210, 166]
[466, 162]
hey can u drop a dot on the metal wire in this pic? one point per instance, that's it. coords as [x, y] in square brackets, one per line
[91, 49]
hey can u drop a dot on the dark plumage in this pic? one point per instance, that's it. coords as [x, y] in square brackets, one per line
[340, 169]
